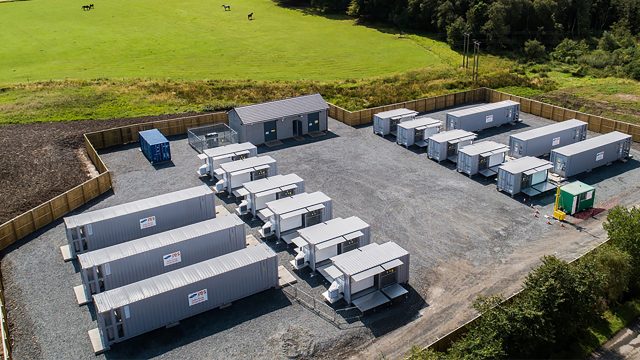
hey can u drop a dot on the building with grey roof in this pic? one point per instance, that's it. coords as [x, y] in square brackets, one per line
[281, 119]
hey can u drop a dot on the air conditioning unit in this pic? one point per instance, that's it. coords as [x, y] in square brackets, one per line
[243, 208]
[300, 261]
[203, 170]
[220, 186]
[266, 230]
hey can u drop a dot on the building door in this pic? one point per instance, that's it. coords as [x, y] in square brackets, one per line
[313, 122]
[387, 278]
[270, 131]
[297, 128]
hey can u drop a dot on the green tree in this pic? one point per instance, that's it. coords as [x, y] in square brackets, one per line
[623, 229]
[569, 51]
[534, 50]
[608, 42]
[455, 33]
[614, 267]
[496, 28]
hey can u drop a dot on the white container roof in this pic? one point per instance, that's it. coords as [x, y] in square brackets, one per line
[482, 108]
[420, 121]
[369, 258]
[451, 135]
[156, 285]
[272, 182]
[332, 229]
[395, 113]
[484, 148]
[544, 130]
[591, 143]
[525, 163]
[296, 202]
[280, 108]
[228, 149]
[247, 163]
[141, 245]
[135, 206]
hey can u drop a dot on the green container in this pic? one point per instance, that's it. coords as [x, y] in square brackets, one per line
[576, 197]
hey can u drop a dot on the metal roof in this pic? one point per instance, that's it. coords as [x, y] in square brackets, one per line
[153, 136]
[228, 149]
[576, 187]
[135, 206]
[420, 121]
[544, 130]
[156, 285]
[272, 182]
[141, 245]
[280, 108]
[332, 229]
[395, 112]
[298, 201]
[247, 163]
[482, 108]
[451, 135]
[591, 143]
[367, 257]
[523, 164]
[482, 147]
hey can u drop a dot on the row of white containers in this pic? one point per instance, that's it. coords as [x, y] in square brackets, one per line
[564, 142]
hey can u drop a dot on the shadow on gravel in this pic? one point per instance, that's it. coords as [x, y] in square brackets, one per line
[191, 330]
[521, 126]
[395, 314]
[603, 173]
[288, 143]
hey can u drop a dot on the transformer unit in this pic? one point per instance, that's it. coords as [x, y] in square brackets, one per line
[122, 264]
[166, 299]
[369, 276]
[386, 122]
[445, 145]
[282, 217]
[106, 227]
[586, 155]
[317, 243]
[258, 193]
[526, 174]
[482, 157]
[417, 131]
[484, 116]
[214, 157]
[540, 141]
[234, 174]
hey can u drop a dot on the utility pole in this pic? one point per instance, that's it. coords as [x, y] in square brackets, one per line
[476, 59]
[465, 51]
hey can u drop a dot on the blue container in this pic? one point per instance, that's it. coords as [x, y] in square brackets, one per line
[155, 146]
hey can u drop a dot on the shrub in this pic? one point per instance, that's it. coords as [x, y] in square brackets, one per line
[455, 33]
[598, 59]
[534, 50]
[608, 42]
[633, 69]
[569, 51]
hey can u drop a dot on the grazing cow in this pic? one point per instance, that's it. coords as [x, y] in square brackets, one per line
[87, 7]
[227, 7]
[250, 16]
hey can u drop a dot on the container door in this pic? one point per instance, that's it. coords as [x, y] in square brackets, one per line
[348, 245]
[389, 277]
[525, 181]
[114, 324]
[95, 279]
[270, 131]
[418, 136]
[312, 218]
[313, 122]
[483, 163]
[393, 126]
[78, 236]
[452, 149]
[166, 153]
[559, 166]
[259, 174]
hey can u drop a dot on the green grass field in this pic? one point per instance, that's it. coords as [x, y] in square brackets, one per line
[196, 39]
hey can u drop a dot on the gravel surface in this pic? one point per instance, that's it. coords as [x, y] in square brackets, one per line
[456, 228]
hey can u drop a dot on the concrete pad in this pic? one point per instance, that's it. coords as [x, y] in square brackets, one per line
[285, 277]
[66, 253]
[316, 134]
[298, 138]
[273, 143]
[96, 342]
[252, 241]
[222, 211]
[81, 295]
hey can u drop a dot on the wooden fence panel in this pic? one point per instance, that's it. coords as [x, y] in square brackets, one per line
[450, 100]
[23, 224]
[42, 215]
[7, 234]
[59, 206]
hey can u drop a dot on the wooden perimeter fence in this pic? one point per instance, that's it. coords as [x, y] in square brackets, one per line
[44, 214]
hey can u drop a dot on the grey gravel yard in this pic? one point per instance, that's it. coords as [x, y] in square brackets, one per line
[458, 231]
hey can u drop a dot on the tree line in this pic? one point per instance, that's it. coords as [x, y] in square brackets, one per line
[559, 301]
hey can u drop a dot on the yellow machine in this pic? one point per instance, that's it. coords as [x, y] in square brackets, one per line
[557, 213]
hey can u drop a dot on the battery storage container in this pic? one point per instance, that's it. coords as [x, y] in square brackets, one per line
[417, 131]
[540, 141]
[386, 122]
[484, 116]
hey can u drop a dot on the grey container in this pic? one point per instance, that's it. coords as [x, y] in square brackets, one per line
[445, 145]
[586, 155]
[163, 300]
[484, 116]
[361, 267]
[318, 243]
[386, 122]
[214, 157]
[135, 260]
[417, 131]
[482, 157]
[526, 174]
[258, 193]
[234, 174]
[540, 141]
[114, 225]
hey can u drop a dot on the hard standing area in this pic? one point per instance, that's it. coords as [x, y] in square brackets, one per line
[465, 239]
